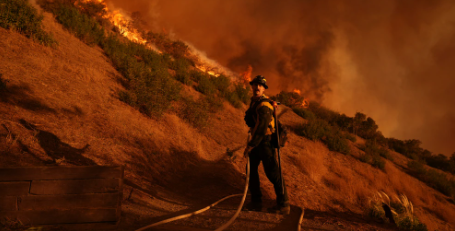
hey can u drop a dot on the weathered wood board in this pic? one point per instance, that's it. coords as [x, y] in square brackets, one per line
[61, 195]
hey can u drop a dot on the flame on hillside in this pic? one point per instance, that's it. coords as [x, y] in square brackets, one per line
[246, 75]
[305, 103]
[124, 25]
[120, 21]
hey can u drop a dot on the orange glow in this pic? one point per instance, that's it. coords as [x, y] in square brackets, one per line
[121, 22]
[296, 91]
[207, 70]
[246, 76]
[305, 104]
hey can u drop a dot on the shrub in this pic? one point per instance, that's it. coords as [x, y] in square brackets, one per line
[151, 88]
[304, 113]
[19, 15]
[222, 83]
[314, 129]
[320, 130]
[233, 99]
[84, 27]
[401, 209]
[377, 162]
[350, 137]
[434, 179]
[196, 113]
[336, 142]
[177, 49]
[385, 153]
[243, 93]
[205, 85]
[181, 68]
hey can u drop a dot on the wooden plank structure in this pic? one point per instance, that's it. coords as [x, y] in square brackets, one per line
[61, 195]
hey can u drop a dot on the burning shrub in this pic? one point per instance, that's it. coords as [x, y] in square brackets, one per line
[19, 15]
[84, 27]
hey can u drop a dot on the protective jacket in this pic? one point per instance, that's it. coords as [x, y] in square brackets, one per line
[259, 117]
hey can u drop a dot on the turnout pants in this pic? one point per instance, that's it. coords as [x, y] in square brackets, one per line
[265, 152]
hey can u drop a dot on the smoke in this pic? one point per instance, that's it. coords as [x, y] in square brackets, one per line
[390, 59]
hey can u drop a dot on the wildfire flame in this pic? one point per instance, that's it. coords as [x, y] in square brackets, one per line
[207, 70]
[124, 25]
[296, 91]
[246, 75]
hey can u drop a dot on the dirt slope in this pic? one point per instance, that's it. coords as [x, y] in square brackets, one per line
[61, 108]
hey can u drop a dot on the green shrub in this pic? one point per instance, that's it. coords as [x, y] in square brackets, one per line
[377, 162]
[222, 83]
[233, 99]
[385, 153]
[196, 113]
[432, 178]
[242, 92]
[181, 66]
[205, 85]
[336, 142]
[314, 129]
[84, 27]
[20, 16]
[128, 97]
[350, 137]
[304, 113]
[151, 88]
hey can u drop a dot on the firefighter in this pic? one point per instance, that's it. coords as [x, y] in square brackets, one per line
[259, 117]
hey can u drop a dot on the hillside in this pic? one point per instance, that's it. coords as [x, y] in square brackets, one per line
[61, 107]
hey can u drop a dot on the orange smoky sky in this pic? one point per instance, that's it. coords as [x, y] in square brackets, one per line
[392, 60]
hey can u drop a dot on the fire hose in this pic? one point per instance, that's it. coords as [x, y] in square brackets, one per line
[225, 225]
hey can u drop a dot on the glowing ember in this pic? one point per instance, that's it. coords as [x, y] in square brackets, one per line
[296, 91]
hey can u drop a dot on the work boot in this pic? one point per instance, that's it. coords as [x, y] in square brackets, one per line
[254, 206]
[285, 209]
